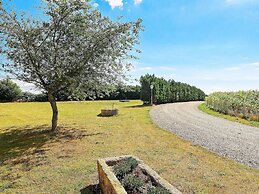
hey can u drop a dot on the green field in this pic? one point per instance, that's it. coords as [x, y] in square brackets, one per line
[34, 160]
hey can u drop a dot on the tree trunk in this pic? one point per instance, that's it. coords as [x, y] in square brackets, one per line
[54, 107]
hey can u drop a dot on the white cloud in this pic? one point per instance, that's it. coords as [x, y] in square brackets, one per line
[120, 3]
[239, 1]
[115, 3]
[232, 68]
[27, 87]
[167, 68]
[254, 64]
[145, 68]
[137, 2]
[95, 4]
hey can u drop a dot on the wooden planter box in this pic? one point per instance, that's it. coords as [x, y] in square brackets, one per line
[109, 112]
[109, 183]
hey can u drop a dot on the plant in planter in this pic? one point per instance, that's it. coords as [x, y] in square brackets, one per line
[134, 179]
[157, 190]
[129, 175]
[108, 112]
[132, 183]
[125, 167]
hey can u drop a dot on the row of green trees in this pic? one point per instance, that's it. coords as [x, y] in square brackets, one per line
[244, 104]
[164, 92]
[10, 91]
[168, 91]
[119, 92]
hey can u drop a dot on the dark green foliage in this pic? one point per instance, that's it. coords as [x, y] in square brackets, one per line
[131, 183]
[124, 92]
[157, 190]
[121, 92]
[168, 91]
[43, 97]
[125, 167]
[9, 91]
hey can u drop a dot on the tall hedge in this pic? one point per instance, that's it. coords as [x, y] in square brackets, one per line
[168, 91]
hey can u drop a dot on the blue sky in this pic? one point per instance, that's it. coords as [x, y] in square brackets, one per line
[212, 44]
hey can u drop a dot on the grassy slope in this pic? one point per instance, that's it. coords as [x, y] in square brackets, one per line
[207, 110]
[33, 160]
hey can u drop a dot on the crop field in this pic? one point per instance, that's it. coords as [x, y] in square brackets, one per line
[243, 104]
[35, 160]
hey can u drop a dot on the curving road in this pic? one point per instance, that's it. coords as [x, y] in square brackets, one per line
[233, 140]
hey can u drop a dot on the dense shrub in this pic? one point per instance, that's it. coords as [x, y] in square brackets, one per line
[168, 91]
[244, 104]
[9, 91]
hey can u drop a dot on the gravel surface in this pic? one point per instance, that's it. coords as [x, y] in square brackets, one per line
[231, 139]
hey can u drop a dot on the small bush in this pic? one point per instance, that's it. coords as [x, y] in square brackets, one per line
[125, 167]
[157, 190]
[132, 183]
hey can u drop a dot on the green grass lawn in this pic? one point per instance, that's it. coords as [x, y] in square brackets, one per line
[34, 160]
[207, 110]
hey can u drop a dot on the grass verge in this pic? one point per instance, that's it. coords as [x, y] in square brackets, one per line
[207, 110]
[34, 160]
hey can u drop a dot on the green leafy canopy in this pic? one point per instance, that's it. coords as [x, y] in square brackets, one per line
[73, 48]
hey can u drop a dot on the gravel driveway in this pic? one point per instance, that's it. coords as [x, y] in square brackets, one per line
[233, 140]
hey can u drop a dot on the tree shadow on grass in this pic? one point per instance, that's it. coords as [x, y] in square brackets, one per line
[14, 141]
[27, 147]
[139, 106]
[17, 145]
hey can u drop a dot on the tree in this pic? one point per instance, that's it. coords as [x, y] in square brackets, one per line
[73, 48]
[9, 91]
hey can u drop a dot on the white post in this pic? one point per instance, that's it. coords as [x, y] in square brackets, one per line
[151, 100]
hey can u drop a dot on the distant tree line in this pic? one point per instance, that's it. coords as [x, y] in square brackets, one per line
[119, 92]
[164, 92]
[10, 91]
[168, 91]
